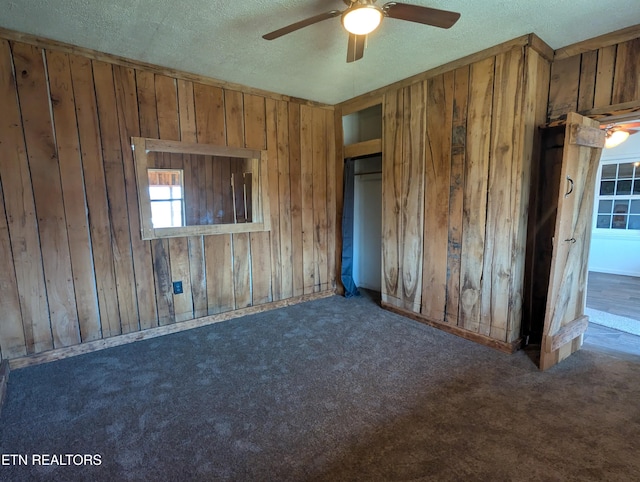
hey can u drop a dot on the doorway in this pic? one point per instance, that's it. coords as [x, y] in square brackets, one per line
[367, 223]
[613, 306]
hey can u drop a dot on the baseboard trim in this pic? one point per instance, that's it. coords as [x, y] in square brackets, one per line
[502, 346]
[60, 353]
[4, 379]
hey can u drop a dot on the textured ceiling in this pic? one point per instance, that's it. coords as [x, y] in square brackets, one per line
[222, 39]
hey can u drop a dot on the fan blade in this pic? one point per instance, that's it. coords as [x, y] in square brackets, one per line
[425, 15]
[355, 50]
[629, 125]
[301, 24]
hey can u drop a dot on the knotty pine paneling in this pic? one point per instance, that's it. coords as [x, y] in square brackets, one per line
[596, 79]
[74, 267]
[457, 151]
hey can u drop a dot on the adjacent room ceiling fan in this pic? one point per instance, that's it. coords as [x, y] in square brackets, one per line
[361, 17]
[618, 133]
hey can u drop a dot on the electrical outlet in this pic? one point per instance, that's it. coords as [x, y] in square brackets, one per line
[177, 287]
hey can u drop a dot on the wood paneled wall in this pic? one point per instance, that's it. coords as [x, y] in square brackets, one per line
[73, 267]
[457, 154]
[596, 79]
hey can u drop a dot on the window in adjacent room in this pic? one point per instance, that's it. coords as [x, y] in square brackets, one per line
[619, 196]
[166, 190]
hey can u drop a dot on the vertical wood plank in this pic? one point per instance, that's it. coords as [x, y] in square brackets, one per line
[12, 341]
[295, 176]
[234, 117]
[626, 79]
[274, 197]
[502, 189]
[586, 91]
[563, 91]
[21, 214]
[331, 198]
[210, 128]
[475, 192]
[533, 109]
[72, 182]
[220, 292]
[307, 185]
[47, 190]
[413, 194]
[392, 159]
[320, 199]
[117, 200]
[284, 194]
[255, 138]
[96, 192]
[197, 268]
[439, 124]
[148, 115]
[604, 76]
[338, 183]
[456, 192]
[169, 128]
[127, 105]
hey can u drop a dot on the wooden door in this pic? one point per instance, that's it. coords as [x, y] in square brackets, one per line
[564, 320]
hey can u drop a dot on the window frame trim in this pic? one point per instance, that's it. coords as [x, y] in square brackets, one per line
[142, 146]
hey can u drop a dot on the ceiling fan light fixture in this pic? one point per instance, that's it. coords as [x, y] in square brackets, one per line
[362, 19]
[615, 138]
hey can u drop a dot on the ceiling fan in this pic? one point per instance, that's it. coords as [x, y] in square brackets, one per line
[361, 17]
[616, 134]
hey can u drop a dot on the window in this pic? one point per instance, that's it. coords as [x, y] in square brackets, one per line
[189, 189]
[165, 194]
[619, 196]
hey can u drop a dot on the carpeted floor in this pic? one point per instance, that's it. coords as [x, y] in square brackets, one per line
[331, 390]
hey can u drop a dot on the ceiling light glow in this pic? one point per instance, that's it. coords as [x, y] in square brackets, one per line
[615, 138]
[361, 20]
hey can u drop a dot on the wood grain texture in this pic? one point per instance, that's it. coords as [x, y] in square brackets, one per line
[72, 184]
[47, 190]
[320, 228]
[307, 184]
[604, 76]
[234, 120]
[284, 198]
[566, 296]
[148, 117]
[456, 192]
[626, 78]
[255, 138]
[563, 92]
[197, 267]
[12, 340]
[413, 194]
[439, 126]
[274, 196]
[475, 197]
[78, 117]
[128, 121]
[20, 210]
[392, 159]
[295, 173]
[503, 185]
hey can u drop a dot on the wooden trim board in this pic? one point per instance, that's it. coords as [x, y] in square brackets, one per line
[118, 340]
[595, 43]
[567, 333]
[364, 148]
[502, 346]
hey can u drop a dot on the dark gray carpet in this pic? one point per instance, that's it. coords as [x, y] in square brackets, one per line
[329, 390]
